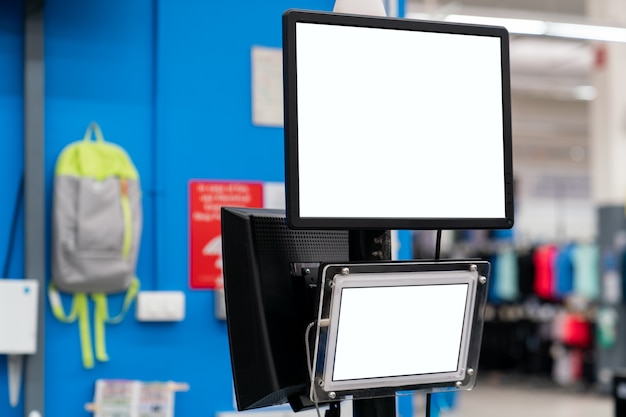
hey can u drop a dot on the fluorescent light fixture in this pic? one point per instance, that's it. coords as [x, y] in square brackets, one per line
[590, 32]
[585, 93]
[537, 27]
[519, 26]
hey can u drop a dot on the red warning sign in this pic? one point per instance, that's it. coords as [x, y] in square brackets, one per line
[206, 199]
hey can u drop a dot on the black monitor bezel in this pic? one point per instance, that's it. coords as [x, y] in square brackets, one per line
[290, 18]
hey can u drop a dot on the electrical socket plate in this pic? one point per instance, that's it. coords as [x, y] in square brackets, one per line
[160, 306]
[18, 316]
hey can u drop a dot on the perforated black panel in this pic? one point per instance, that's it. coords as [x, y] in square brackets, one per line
[274, 238]
[268, 309]
[286, 304]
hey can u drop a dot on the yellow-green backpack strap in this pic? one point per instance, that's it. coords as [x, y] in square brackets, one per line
[131, 294]
[101, 317]
[80, 311]
[127, 216]
[57, 306]
[93, 129]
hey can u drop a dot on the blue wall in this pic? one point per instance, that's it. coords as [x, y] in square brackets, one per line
[99, 66]
[170, 82]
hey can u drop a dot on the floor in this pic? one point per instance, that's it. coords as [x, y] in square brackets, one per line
[489, 399]
[492, 397]
[510, 402]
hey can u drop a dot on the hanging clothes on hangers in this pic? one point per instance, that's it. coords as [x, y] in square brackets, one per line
[585, 258]
[564, 270]
[544, 258]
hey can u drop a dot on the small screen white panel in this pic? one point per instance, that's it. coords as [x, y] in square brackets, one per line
[418, 328]
[423, 108]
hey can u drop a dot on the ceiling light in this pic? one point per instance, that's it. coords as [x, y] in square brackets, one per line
[536, 27]
[590, 32]
[519, 26]
[585, 93]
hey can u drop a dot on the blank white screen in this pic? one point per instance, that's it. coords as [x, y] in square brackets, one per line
[395, 331]
[398, 124]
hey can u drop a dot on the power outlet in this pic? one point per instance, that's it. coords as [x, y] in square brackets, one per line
[160, 306]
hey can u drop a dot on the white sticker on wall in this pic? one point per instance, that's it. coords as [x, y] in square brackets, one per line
[267, 86]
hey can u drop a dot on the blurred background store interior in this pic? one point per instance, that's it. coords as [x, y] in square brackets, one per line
[554, 326]
[172, 83]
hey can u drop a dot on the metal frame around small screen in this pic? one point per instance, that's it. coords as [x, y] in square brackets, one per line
[336, 277]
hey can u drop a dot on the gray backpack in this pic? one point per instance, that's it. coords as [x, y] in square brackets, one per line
[97, 222]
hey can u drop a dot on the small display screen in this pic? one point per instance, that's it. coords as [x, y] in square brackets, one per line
[398, 328]
[419, 329]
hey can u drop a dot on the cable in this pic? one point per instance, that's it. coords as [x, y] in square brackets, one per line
[437, 257]
[308, 349]
[11, 243]
[310, 366]
[155, 155]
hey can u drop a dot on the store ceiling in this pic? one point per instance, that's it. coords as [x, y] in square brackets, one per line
[553, 7]
[550, 78]
[538, 64]
[554, 68]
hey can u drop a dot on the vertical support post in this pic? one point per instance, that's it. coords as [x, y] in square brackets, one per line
[608, 174]
[371, 245]
[34, 193]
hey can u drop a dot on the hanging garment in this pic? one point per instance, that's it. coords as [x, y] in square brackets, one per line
[526, 272]
[544, 258]
[507, 284]
[564, 270]
[585, 258]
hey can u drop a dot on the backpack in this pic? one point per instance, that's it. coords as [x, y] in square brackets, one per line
[96, 228]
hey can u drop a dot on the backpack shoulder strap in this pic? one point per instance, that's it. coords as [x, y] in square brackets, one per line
[80, 312]
[101, 317]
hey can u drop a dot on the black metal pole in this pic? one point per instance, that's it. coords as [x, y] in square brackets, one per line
[371, 245]
[437, 257]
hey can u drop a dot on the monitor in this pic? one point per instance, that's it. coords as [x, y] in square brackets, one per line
[270, 277]
[396, 123]
[387, 327]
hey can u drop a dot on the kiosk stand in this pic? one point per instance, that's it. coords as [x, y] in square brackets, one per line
[389, 124]
[395, 124]
[371, 245]
[376, 245]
